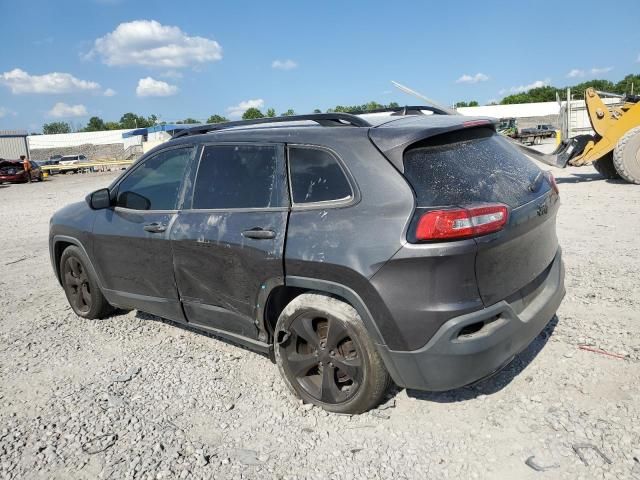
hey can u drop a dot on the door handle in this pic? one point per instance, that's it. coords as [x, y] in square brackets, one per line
[259, 234]
[155, 227]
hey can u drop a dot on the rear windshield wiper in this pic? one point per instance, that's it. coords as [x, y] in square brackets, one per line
[535, 183]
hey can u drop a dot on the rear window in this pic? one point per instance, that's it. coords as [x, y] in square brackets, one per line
[471, 166]
[316, 176]
[240, 176]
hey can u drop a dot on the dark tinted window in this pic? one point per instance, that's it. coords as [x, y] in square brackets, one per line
[316, 176]
[239, 176]
[155, 184]
[471, 166]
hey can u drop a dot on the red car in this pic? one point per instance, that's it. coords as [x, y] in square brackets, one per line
[13, 171]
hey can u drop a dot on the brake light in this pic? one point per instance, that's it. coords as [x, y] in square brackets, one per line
[552, 181]
[462, 222]
[475, 123]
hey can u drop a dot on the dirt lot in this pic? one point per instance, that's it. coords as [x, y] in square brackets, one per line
[133, 397]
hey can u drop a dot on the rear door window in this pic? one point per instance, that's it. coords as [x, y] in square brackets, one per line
[240, 176]
[316, 176]
[471, 166]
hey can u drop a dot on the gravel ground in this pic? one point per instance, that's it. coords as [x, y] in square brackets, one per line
[135, 397]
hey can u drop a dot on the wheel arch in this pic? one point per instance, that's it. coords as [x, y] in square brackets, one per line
[59, 244]
[280, 296]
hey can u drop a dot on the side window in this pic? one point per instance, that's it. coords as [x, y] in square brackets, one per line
[240, 176]
[316, 176]
[155, 184]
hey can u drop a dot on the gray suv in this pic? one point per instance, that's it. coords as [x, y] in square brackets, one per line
[353, 250]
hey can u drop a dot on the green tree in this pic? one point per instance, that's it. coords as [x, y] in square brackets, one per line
[367, 107]
[317, 110]
[56, 127]
[189, 120]
[252, 113]
[271, 113]
[628, 84]
[131, 120]
[112, 126]
[473, 103]
[95, 124]
[577, 91]
[461, 104]
[372, 106]
[540, 94]
[217, 119]
[288, 113]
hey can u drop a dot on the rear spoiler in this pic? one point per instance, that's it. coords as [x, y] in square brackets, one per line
[392, 139]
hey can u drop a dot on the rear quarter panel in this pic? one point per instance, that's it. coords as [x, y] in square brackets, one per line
[348, 245]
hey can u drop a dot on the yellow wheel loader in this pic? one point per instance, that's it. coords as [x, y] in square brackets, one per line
[614, 150]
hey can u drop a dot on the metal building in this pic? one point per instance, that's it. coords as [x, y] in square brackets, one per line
[13, 143]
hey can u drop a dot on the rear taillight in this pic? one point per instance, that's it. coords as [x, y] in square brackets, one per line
[552, 181]
[462, 222]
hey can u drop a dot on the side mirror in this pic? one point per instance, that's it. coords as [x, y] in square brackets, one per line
[100, 199]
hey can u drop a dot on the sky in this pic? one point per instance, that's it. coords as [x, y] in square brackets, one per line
[68, 60]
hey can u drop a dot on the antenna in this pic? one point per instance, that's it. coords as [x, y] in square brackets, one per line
[404, 89]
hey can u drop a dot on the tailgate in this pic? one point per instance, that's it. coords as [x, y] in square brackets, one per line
[478, 166]
[510, 260]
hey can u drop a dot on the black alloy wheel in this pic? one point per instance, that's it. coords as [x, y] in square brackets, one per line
[76, 285]
[323, 357]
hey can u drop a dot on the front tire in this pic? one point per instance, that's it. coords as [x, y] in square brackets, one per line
[326, 356]
[606, 168]
[626, 156]
[81, 287]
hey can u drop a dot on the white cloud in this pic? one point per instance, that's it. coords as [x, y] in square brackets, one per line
[149, 87]
[284, 64]
[524, 88]
[578, 73]
[478, 77]
[62, 110]
[20, 81]
[109, 92]
[600, 71]
[3, 111]
[171, 74]
[236, 111]
[151, 44]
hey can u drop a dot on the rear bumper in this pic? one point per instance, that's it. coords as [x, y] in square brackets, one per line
[20, 177]
[494, 335]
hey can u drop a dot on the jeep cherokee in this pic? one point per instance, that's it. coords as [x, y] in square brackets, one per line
[354, 250]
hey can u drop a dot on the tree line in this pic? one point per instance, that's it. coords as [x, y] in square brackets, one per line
[627, 85]
[131, 120]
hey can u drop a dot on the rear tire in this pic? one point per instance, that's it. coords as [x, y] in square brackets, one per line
[626, 156]
[81, 287]
[326, 356]
[606, 168]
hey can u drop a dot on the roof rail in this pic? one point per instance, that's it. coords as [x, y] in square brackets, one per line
[324, 119]
[409, 110]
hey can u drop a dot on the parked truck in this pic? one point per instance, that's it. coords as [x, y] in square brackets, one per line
[534, 136]
[530, 136]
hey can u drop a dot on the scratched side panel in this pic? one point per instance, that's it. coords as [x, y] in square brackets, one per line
[216, 266]
[348, 245]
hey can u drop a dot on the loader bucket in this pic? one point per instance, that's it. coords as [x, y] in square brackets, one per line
[560, 156]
